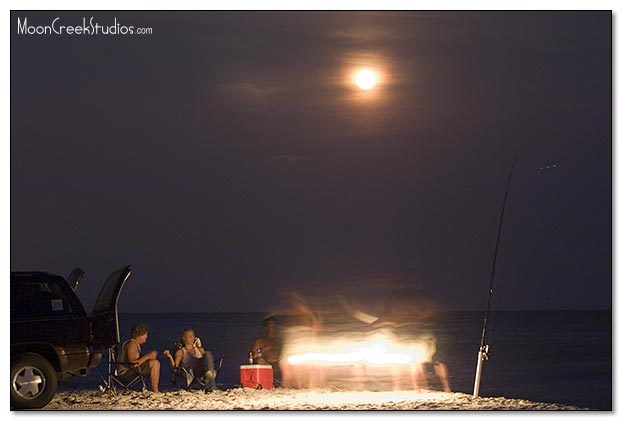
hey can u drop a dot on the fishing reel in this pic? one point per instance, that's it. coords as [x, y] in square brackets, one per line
[485, 350]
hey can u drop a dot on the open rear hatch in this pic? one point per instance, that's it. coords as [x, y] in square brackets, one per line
[105, 317]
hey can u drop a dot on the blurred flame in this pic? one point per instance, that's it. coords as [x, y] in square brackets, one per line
[379, 351]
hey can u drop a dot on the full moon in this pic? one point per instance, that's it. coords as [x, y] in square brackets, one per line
[365, 79]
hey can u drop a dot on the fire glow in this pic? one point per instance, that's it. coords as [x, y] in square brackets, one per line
[378, 352]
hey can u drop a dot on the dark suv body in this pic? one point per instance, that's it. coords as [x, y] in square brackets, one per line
[52, 336]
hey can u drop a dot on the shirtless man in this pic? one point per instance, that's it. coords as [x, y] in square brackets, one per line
[267, 349]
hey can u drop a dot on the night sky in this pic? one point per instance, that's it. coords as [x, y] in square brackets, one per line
[229, 157]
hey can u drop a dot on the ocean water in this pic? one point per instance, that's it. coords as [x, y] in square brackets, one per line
[546, 356]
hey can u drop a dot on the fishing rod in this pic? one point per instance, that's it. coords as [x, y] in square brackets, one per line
[482, 355]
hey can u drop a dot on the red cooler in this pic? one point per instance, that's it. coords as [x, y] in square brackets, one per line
[257, 376]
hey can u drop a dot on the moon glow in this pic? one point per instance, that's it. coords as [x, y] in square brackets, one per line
[365, 79]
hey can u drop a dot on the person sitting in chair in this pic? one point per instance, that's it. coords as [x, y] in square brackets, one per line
[131, 360]
[191, 362]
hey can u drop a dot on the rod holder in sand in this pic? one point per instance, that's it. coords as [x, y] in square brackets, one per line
[483, 348]
[482, 356]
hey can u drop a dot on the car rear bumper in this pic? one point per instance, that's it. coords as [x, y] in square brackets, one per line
[78, 362]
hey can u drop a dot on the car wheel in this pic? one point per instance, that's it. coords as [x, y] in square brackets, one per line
[33, 382]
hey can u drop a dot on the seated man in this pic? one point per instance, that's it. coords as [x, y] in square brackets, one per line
[131, 360]
[191, 362]
[267, 349]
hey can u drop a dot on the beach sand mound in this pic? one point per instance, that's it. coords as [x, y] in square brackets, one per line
[280, 399]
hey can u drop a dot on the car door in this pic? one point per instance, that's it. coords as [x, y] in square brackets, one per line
[105, 316]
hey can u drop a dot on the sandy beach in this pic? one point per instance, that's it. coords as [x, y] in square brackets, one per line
[321, 399]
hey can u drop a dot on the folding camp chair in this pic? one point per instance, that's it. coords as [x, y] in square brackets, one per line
[114, 383]
[105, 328]
[195, 383]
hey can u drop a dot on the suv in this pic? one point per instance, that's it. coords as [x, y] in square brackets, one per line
[52, 337]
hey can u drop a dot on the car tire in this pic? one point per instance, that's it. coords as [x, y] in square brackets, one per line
[33, 382]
